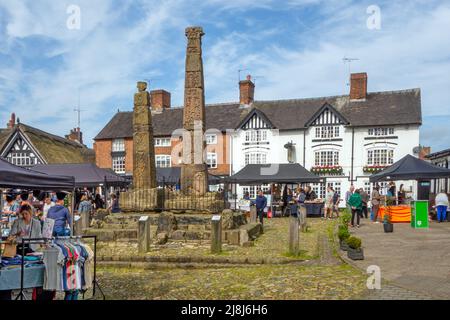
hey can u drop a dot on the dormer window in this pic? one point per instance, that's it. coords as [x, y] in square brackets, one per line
[327, 132]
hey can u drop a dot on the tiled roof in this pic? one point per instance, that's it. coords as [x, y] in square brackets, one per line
[380, 108]
[54, 149]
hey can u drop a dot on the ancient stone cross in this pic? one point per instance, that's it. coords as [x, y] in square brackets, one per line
[194, 171]
[144, 170]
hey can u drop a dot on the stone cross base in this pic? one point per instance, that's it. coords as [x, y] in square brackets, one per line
[139, 200]
[294, 239]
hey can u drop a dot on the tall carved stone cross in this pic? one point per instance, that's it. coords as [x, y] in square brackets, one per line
[194, 172]
[144, 170]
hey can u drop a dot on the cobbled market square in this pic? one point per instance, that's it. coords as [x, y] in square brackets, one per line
[224, 151]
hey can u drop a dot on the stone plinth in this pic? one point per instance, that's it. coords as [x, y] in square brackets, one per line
[139, 200]
[216, 234]
[144, 234]
[294, 239]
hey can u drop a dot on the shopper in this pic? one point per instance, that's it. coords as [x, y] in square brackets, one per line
[348, 194]
[441, 202]
[26, 227]
[310, 194]
[261, 203]
[336, 200]
[355, 204]
[401, 195]
[11, 206]
[365, 200]
[329, 203]
[99, 203]
[48, 203]
[376, 197]
[61, 215]
[114, 206]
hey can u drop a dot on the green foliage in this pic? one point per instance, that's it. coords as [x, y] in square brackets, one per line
[346, 218]
[343, 234]
[354, 242]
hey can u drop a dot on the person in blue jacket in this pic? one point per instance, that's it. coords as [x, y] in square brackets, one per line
[61, 215]
[261, 203]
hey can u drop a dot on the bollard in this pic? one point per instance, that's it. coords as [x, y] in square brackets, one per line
[85, 220]
[77, 226]
[302, 218]
[216, 234]
[144, 235]
[253, 217]
[294, 241]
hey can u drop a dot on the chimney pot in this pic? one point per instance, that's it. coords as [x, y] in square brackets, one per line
[160, 99]
[246, 91]
[12, 121]
[358, 86]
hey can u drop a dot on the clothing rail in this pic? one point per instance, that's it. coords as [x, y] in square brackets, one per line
[95, 283]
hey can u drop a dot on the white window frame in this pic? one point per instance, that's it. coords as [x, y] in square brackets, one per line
[255, 157]
[252, 190]
[326, 158]
[118, 164]
[327, 132]
[380, 157]
[211, 139]
[381, 131]
[162, 142]
[255, 136]
[118, 145]
[163, 161]
[211, 160]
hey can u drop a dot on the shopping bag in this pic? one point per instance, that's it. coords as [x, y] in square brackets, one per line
[10, 250]
[269, 214]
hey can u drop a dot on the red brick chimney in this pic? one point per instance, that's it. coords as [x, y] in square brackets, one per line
[75, 135]
[358, 86]
[160, 100]
[12, 122]
[246, 91]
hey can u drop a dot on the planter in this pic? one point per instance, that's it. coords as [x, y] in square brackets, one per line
[355, 254]
[388, 227]
[343, 245]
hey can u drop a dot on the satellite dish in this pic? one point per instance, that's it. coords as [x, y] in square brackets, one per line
[416, 150]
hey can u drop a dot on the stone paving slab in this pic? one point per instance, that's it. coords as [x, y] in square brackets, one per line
[415, 261]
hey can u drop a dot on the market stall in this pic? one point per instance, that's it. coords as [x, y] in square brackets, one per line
[20, 270]
[285, 173]
[411, 168]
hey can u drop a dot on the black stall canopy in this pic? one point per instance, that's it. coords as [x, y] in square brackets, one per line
[12, 176]
[172, 175]
[86, 174]
[273, 173]
[410, 168]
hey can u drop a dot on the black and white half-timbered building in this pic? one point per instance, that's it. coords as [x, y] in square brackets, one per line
[25, 146]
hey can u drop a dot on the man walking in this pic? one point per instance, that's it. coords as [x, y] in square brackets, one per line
[348, 194]
[441, 206]
[365, 201]
[376, 197]
[261, 203]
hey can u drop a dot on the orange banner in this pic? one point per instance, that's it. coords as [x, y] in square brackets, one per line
[398, 213]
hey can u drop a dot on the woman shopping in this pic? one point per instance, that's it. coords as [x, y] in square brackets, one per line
[26, 227]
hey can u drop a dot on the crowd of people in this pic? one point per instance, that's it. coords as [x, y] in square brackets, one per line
[23, 214]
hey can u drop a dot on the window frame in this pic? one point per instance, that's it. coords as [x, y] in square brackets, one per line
[117, 163]
[118, 145]
[163, 159]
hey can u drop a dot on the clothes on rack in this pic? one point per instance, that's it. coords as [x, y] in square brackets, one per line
[68, 266]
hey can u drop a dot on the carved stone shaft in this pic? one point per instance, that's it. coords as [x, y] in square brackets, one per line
[144, 170]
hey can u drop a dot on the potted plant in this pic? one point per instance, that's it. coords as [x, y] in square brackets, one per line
[343, 235]
[387, 224]
[355, 252]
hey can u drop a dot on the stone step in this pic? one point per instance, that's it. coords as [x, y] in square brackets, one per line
[112, 234]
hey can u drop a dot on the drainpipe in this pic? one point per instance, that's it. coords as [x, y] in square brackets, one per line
[304, 147]
[353, 155]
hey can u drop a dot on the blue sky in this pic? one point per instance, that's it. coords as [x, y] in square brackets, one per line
[295, 47]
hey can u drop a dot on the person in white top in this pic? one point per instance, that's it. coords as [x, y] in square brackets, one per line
[441, 206]
[328, 212]
[48, 203]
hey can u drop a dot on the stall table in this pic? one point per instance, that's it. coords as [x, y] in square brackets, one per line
[398, 213]
[33, 277]
[314, 208]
